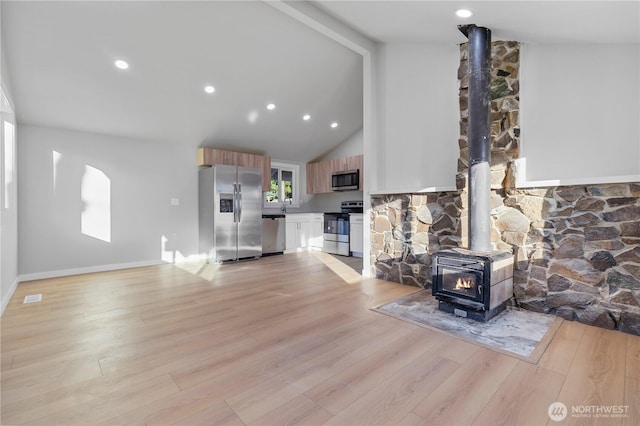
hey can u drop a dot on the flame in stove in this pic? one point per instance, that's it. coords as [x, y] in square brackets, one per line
[463, 284]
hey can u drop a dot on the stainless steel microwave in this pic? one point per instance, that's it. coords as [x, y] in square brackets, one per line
[345, 181]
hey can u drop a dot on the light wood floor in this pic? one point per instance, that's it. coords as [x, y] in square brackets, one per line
[281, 340]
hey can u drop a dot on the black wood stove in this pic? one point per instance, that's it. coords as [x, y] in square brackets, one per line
[472, 284]
[476, 282]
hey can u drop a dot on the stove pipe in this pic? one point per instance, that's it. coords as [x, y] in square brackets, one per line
[479, 136]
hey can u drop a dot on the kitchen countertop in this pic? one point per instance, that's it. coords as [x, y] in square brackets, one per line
[273, 216]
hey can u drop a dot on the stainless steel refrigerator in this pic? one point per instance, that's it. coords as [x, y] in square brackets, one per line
[230, 212]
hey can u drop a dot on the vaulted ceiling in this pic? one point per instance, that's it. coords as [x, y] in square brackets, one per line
[61, 65]
[61, 57]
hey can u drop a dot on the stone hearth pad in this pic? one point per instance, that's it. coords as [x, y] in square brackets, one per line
[516, 332]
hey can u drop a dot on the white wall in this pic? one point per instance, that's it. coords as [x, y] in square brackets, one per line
[330, 202]
[350, 147]
[417, 117]
[58, 221]
[580, 111]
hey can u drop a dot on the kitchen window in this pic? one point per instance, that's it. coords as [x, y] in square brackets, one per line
[284, 185]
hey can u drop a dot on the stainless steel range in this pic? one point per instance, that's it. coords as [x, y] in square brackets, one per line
[336, 228]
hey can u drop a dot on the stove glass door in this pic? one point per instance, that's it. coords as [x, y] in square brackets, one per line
[465, 283]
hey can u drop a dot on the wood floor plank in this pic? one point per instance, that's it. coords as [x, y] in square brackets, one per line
[562, 350]
[299, 411]
[201, 404]
[411, 419]
[281, 340]
[168, 410]
[36, 406]
[251, 354]
[346, 386]
[463, 395]
[632, 382]
[631, 401]
[344, 355]
[74, 396]
[633, 356]
[459, 350]
[25, 382]
[259, 400]
[523, 398]
[393, 399]
[596, 377]
[109, 405]
[183, 353]
[218, 413]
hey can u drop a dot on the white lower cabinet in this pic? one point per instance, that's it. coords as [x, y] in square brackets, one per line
[356, 234]
[316, 234]
[292, 235]
[303, 231]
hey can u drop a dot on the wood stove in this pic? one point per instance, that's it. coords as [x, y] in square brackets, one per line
[471, 284]
[476, 282]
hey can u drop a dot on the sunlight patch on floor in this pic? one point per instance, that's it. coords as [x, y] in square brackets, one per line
[204, 270]
[345, 272]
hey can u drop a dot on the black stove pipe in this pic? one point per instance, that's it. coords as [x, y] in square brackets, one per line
[479, 136]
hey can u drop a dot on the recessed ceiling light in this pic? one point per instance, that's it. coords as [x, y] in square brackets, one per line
[334, 124]
[209, 89]
[271, 107]
[306, 117]
[123, 65]
[464, 13]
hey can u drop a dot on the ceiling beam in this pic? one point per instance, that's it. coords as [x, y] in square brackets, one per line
[310, 15]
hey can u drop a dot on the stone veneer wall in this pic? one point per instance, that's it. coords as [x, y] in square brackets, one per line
[577, 248]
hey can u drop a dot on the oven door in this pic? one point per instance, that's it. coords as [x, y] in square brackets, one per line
[336, 233]
[336, 224]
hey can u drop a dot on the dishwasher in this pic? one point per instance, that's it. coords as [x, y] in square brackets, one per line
[273, 234]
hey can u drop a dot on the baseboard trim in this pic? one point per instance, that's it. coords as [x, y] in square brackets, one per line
[7, 299]
[86, 270]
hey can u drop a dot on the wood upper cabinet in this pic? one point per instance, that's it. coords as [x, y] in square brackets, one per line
[319, 173]
[319, 177]
[312, 175]
[261, 162]
[210, 156]
[355, 163]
